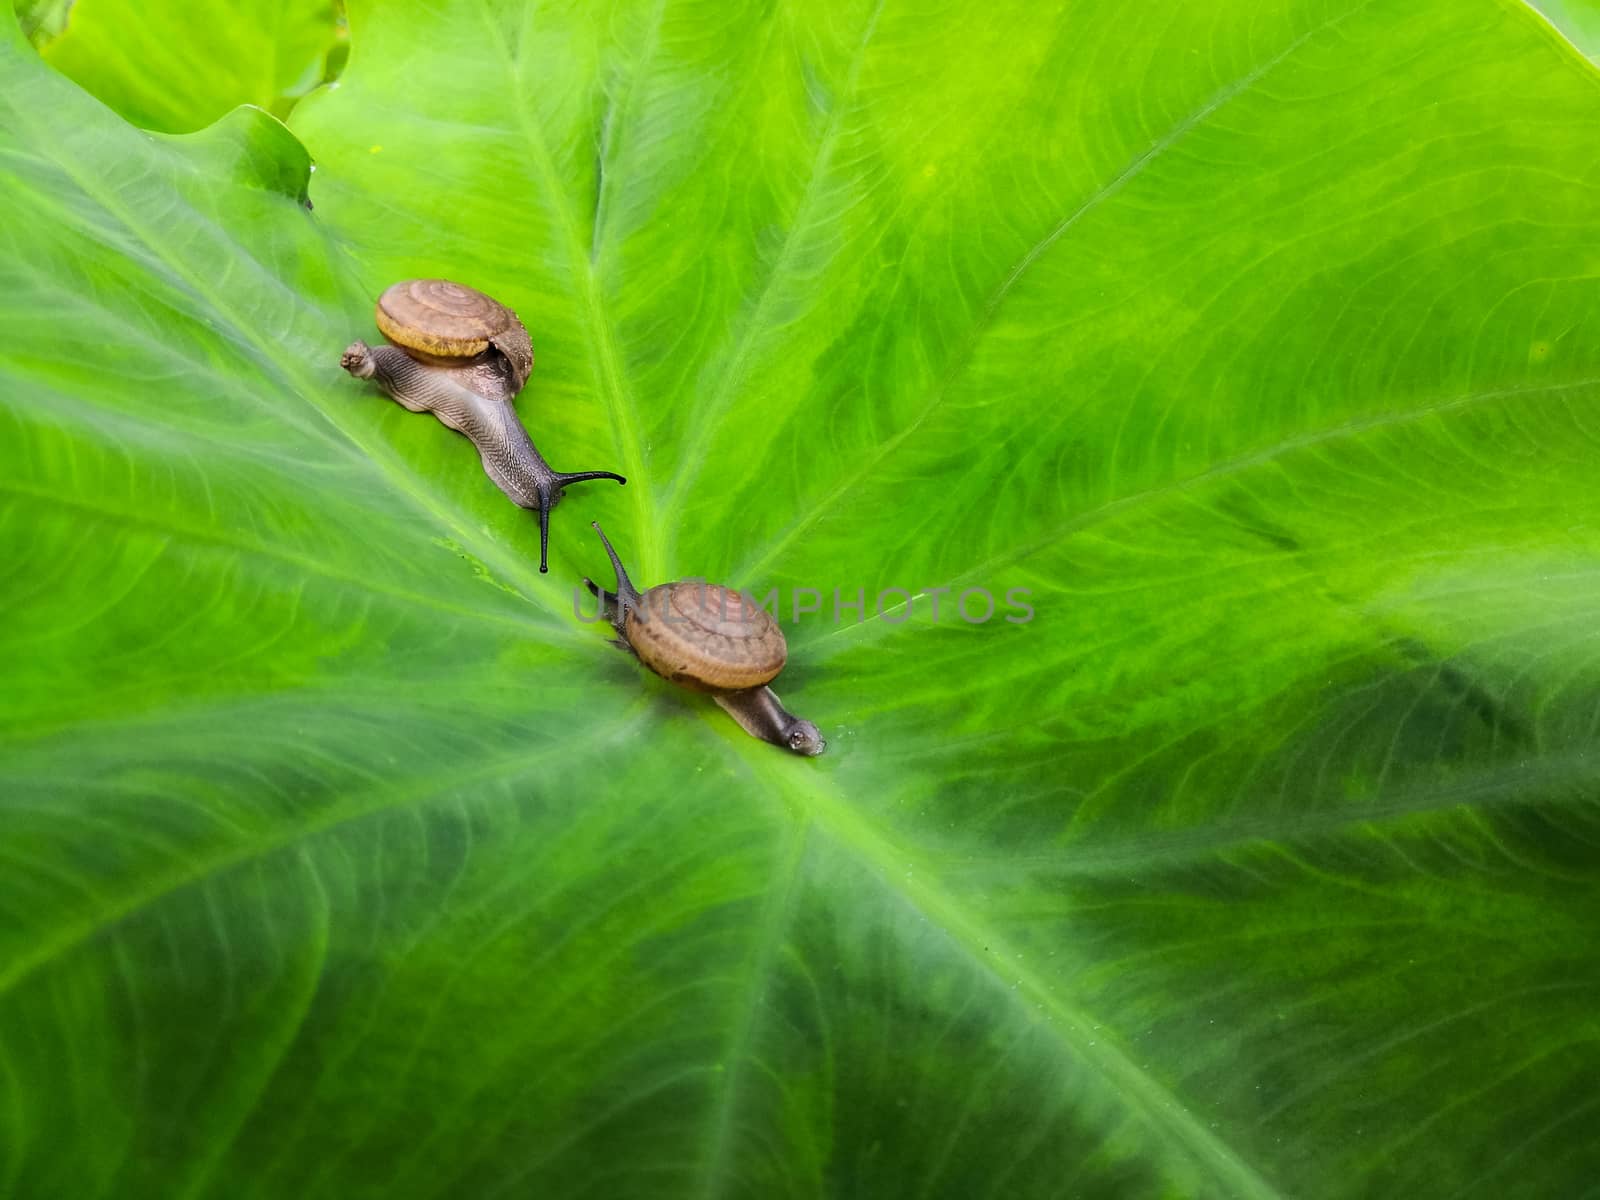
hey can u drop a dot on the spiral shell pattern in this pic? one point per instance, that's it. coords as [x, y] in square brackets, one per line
[442, 318]
[706, 637]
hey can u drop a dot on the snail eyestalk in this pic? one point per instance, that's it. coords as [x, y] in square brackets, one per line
[626, 597]
[549, 486]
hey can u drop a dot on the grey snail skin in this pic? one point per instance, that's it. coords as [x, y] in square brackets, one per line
[709, 639]
[463, 356]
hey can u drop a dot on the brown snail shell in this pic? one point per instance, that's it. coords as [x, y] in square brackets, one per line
[706, 637]
[446, 322]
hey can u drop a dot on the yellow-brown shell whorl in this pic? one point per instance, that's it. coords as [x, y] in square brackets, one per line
[706, 637]
[444, 319]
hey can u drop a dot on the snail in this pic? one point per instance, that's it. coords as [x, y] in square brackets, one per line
[464, 356]
[709, 639]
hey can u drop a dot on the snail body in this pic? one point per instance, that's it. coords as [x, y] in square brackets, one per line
[710, 639]
[462, 356]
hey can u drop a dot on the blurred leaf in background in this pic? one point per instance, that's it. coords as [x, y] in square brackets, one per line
[42, 20]
[1578, 21]
[178, 65]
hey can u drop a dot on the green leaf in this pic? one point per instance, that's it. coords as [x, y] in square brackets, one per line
[340, 860]
[175, 65]
[42, 20]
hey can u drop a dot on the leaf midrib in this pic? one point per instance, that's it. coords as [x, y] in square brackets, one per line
[817, 796]
[381, 798]
[706, 414]
[604, 355]
[963, 356]
[1227, 469]
[368, 584]
[775, 918]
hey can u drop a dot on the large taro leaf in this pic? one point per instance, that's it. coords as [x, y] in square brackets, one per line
[339, 860]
